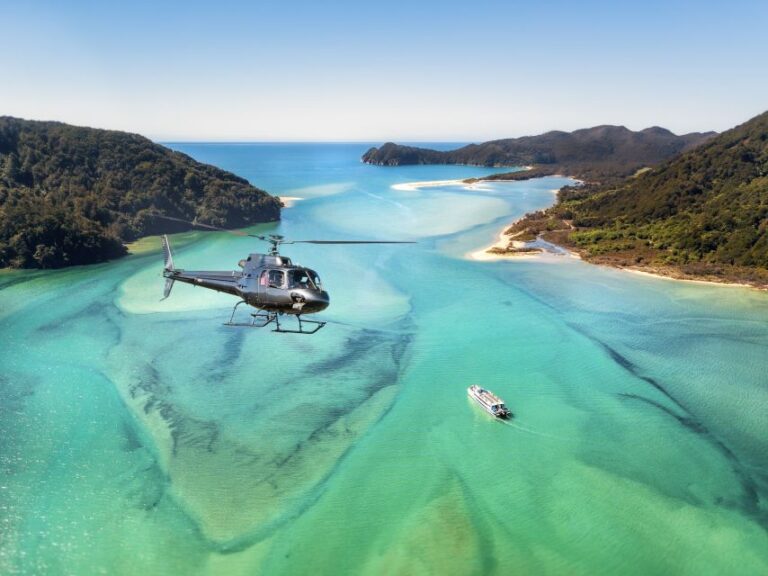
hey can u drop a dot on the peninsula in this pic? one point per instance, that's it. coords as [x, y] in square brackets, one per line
[689, 207]
[593, 154]
[71, 195]
[702, 215]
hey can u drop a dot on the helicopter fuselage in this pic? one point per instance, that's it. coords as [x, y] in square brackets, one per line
[269, 282]
[266, 282]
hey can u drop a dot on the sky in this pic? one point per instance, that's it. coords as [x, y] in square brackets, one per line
[434, 70]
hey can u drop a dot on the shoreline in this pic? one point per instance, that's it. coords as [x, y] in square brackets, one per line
[504, 240]
[289, 201]
[659, 275]
[482, 255]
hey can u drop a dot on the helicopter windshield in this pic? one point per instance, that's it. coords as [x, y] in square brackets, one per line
[304, 278]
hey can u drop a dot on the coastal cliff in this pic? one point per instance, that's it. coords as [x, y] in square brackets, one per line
[72, 195]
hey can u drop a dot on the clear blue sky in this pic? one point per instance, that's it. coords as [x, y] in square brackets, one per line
[392, 70]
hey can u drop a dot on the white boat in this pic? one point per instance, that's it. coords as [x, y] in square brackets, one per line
[489, 401]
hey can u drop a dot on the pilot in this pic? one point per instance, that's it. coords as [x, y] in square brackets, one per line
[299, 279]
[276, 278]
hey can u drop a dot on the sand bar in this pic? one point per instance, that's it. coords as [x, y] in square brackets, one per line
[413, 186]
[289, 201]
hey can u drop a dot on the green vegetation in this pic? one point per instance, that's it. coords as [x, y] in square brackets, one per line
[601, 153]
[702, 214]
[71, 195]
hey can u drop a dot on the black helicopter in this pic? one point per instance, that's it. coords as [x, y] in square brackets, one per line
[271, 283]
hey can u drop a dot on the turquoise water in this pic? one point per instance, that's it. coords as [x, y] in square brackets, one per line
[139, 436]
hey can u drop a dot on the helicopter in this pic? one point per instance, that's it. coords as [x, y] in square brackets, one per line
[271, 283]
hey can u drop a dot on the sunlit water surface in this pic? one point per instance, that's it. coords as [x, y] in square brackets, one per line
[143, 437]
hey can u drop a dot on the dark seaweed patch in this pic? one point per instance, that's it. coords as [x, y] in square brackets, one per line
[132, 442]
[633, 369]
[187, 432]
[220, 368]
[484, 536]
[388, 377]
[750, 503]
[751, 499]
[8, 282]
[356, 345]
[692, 425]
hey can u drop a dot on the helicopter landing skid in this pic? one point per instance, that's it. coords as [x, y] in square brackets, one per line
[262, 319]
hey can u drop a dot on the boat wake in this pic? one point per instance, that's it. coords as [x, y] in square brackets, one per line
[534, 432]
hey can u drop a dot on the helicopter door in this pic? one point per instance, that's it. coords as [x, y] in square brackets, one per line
[276, 293]
[261, 286]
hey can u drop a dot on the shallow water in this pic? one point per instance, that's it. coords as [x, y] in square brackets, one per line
[139, 435]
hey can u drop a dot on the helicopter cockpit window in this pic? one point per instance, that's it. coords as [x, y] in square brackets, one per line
[276, 278]
[315, 279]
[298, 279]
[304, 278]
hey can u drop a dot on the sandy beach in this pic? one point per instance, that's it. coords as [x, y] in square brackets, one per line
[691, 280]
[504, 241]
[483, 255]
[289, 201]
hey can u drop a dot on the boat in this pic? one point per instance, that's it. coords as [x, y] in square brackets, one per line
[489, 401]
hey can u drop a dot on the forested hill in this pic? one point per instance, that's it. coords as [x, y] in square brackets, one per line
[72, 195]
[705, 213]
[593, 153]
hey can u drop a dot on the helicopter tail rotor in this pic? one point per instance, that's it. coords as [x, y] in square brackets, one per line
[167, 289]
[167, 253]
[169, 268]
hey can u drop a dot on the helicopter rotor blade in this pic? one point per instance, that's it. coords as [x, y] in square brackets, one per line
[209, 226]
[277, 239]
[347, 242]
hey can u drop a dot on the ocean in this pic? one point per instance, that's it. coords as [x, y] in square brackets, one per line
[140, 436]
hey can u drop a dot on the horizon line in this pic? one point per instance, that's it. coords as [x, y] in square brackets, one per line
[188, 141]
[166, 138]
[411, 140]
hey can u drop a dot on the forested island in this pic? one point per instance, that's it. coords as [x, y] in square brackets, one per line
[701, 215]
[600, 153]
[71, 195]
